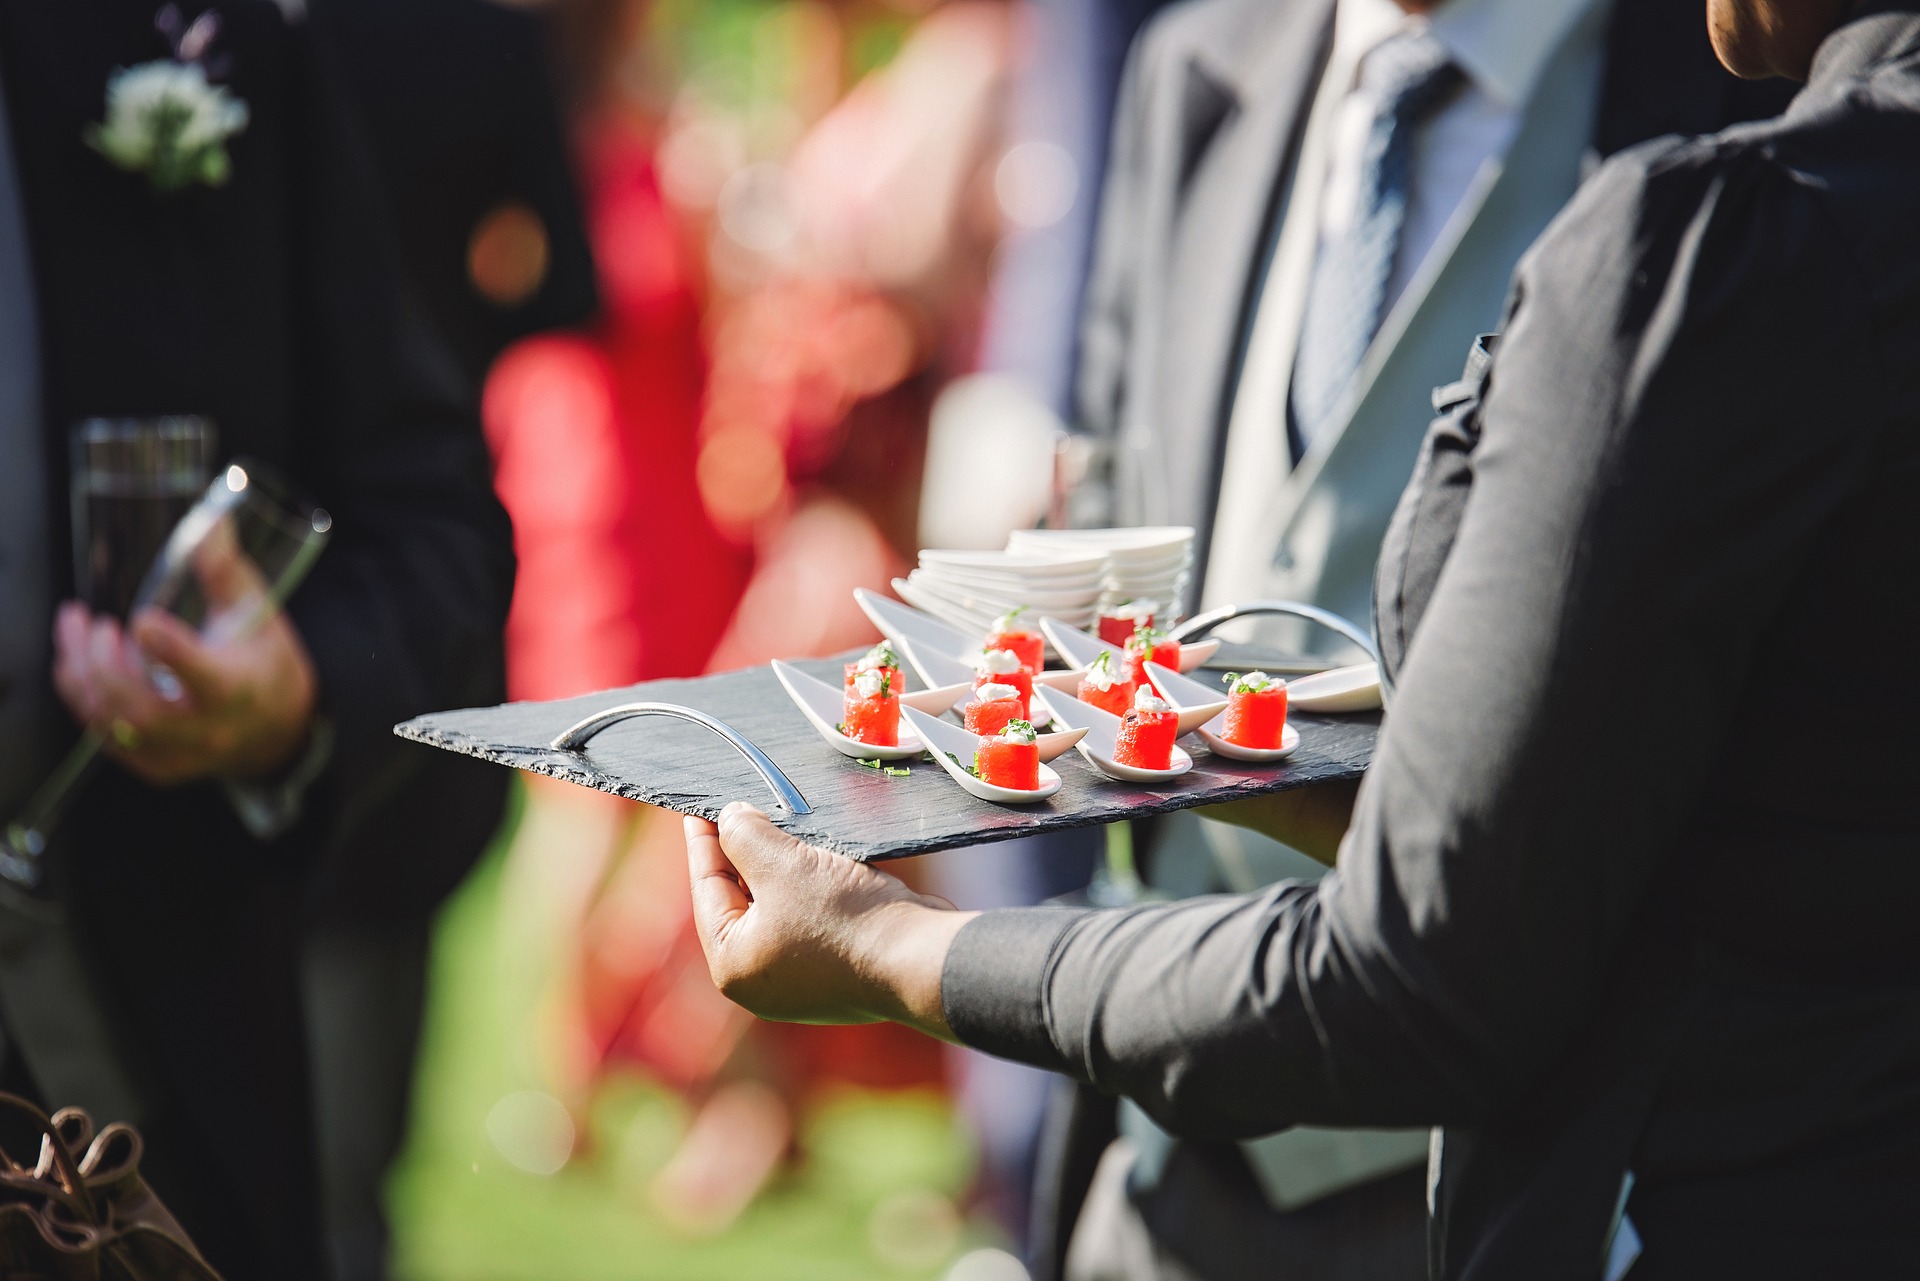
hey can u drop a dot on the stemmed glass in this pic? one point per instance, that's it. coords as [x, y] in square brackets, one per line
[246, 511]
[132, 481]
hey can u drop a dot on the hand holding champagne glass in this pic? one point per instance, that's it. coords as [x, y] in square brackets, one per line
[173, 704]
[209, 679]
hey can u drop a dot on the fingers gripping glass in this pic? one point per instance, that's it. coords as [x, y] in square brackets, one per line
[228, 565]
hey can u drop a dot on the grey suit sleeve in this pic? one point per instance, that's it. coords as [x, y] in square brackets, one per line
[1682, 401]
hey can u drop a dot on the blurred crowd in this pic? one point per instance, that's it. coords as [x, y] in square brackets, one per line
[722, 283]
[802, 244]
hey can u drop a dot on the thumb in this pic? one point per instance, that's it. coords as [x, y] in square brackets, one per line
[166, 640]
[754, 845]
[719, 897]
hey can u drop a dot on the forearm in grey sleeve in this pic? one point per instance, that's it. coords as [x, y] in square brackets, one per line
[1648, 482]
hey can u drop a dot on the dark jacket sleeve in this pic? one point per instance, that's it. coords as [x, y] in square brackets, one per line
[404, 611]
[1682, 401]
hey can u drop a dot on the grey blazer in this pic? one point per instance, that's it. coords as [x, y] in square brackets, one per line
[1212, 103]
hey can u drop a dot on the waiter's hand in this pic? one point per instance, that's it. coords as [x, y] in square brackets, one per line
[246, 687]
[799, 935]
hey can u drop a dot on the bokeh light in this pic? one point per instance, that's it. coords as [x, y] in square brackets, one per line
[914, 1229]
[532, 1130]
[986, 1265]
[1036, 183]
[507, 254]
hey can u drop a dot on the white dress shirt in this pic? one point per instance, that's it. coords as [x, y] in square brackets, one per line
[1503, 46]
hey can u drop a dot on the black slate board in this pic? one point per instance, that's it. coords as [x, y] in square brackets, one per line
[857, 811]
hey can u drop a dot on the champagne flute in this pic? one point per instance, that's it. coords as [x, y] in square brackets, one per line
[132, 481]
[246, 511]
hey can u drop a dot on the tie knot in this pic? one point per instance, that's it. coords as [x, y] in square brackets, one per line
[1408, 74]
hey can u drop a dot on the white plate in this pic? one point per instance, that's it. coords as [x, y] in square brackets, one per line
[1157, 566]
[1063, 563]
[1135, 538]
[1011, 594]
[823, 706]
[1179, 690]
[1344, 689]
[1161, 592]
[1006, 599]
[1081, 601]
[942, 738]
[899, 623]
[1142, 584]
[1103, 728]
[1080, 649]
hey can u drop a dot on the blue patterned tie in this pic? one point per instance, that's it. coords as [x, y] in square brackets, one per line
[1407, 76]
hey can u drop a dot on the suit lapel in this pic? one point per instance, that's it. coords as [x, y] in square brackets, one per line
[1333, 508]
[1238, 111]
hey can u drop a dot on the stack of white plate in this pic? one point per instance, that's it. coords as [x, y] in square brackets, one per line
[1069, 574]
[970, 589]
[1149, 563]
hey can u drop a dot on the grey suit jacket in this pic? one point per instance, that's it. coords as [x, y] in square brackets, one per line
[1214, 97]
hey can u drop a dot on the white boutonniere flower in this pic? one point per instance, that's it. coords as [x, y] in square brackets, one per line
[166, 120]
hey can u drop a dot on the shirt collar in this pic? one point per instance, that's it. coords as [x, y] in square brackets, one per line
[1503, 45]
[1879, 31]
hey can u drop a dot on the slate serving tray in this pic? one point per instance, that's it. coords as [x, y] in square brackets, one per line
[857, 811]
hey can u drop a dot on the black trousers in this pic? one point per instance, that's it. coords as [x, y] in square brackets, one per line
[1206, 1219]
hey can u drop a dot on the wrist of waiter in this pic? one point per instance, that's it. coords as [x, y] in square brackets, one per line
[901, 952]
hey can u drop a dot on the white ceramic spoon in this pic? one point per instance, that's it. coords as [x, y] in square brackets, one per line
[1080, 649]
[937, 668]
[943, 738]
[936, 603]
[1343, 689]
[1066, 680]
[1192, 716]
[823, 706]
[1103, 728]
[934, 667]
[899, 623]
[1182, 692]
[1072, 564]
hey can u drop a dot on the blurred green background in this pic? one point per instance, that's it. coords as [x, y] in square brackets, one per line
[873, 1191]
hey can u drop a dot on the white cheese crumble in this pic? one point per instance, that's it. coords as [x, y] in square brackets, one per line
[1019, 732]
[1147, 701]
[998, 662]
[1100, 675]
